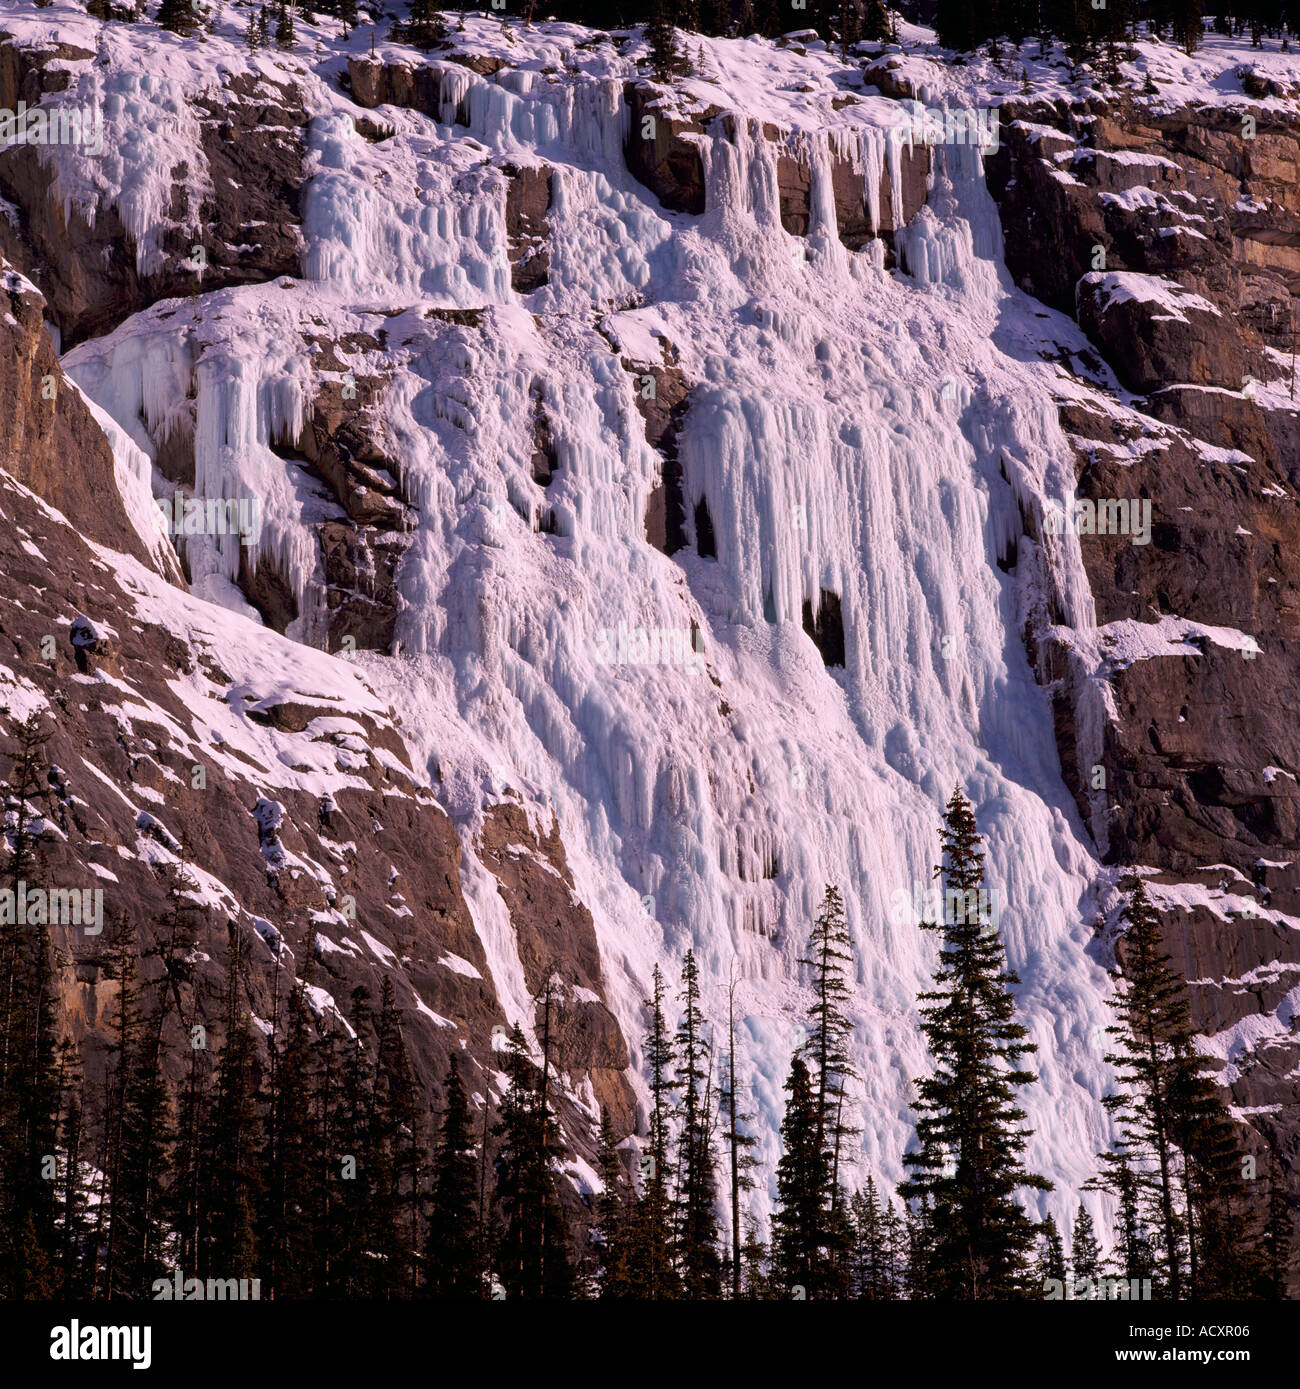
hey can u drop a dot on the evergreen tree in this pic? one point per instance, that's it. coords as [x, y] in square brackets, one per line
[285, 37]
[532, 1259]
[826, 1051]
[876, 1237]
[178, 16]
[285, 1234]
[74, 1226]
[610, 1230]
[800, 1241]
[30, 1093]
[756, 1284]
[116, 1212]
[666, 59]
[1051, 1253]
[451, 1250]
[877, 22]
[356, 1173]
[1085, 1252]
[1177, 1151]
[1279, 1236]
[650, 1245]
[397, 1156]
[425, 27]
[697, 1221]
[147, 1137]
[739, 1142]
[231, 1196]
[970, 1130]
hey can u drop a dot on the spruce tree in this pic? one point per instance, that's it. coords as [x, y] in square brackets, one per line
[969, 1163]
[532, 1259]
[425, 27]
[291, 1166]
[826, 1051]
[285, 37]
[875, 1236]
[665, 58]
[650, 1243]
[397, 1156]
[697, 1222]
[116, 1213]
[177, 16]
[1051, 1254]
[451, 1247]
[738, 1142]
[356, 1173]
[1085, 1252]
[235, 1139]
[610, 1231]
[800, 1241]
[1279, 1236]
[1177, 1153]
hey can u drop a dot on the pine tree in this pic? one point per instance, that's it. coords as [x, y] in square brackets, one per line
[177, 16]
[739, 1142]
[72, 1200]
[532, 1259]
[969, 1163]
[1051, 1253]
[451, 1250]
[285, 37]
[147, 1137]
[697, 1221]
[666, 60]
[876, 21]
[354, 1173]
[397, 1156]
[235, 1139]
[650, 1244]
[115, 1199]
[1085, 1252]
[826, 1052]
[292, 1172]
[610, 1230]
[425, 27]
[1177, 1150]
[1279, 1236]
[800, 1241]
[875, 1246]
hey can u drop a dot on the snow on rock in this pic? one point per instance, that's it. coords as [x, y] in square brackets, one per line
[859, 438]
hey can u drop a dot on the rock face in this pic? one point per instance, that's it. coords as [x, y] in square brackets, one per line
[1176, 242]
[45, 423]
[528, 199]
[247, 221]
[660, 152]
[1154, 334]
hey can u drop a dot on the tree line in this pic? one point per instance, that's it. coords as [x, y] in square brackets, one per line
[1090, 33]
[302, 1154]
